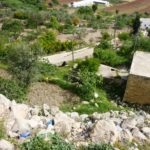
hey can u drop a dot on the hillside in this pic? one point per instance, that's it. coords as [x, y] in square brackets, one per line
[131, 7]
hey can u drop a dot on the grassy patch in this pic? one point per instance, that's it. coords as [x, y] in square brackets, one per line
[12, 90]
[2, 129]
[101, 104]
[3, 66]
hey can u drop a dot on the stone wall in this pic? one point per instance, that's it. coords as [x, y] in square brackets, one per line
[137, 90]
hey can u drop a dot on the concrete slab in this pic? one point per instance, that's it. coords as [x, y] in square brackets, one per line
[141, 64]
[110, 72]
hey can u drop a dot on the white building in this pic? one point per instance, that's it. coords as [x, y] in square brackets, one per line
[84, 3]
[145, 23]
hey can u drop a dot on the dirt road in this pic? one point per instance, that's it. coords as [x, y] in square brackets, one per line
[58, 59]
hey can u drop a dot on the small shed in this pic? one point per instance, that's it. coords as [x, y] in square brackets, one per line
[138, 84]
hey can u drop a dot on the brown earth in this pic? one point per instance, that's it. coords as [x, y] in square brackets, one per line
[41, 92]
[131, 7]
[4, 74]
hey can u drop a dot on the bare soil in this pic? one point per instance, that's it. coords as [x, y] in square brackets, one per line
[131, 7]
[41, 92]
[4, 74]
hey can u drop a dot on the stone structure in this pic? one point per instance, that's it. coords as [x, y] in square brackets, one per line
[138, 85]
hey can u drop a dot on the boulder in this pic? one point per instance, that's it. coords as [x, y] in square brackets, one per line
[5, 145]
[138, 135]
[46, 109]
[104, 131]
[139, 120]
[129, 123]
[20, 110]
[21, 126]
[63, 123]
[54, 110]
[125, 136]
[4, 105]
[75, 116]
[84, 117]
[146, 131]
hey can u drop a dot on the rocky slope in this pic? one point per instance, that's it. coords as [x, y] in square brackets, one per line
[23, 121]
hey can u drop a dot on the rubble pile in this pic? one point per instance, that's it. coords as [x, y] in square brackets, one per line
[23, 121]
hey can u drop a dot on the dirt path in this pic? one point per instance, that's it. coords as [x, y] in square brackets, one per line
[58, 59]
[41, 92]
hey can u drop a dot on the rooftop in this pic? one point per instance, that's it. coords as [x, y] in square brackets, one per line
[145, 23]
[141, 64]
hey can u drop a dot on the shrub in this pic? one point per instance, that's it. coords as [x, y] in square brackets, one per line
[90, 64]
[54, 23]
[85, 83]
[22, 59]
[20, 14]
[124, 36]
[55, 143]
[85, 10]
[12, 26]
[75, 21]
[35, 19]
[105, 36]
[105, 44]
[36, 143]
[98, 147]
[12, 90]
[51, 45]
[109, 57]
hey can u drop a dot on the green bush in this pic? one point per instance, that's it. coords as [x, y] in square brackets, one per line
[105, 44]
[12, 26]
[51, 45]
[54, 23]
[35, 19]
[85, 83]
[98, 147]
[85, 10]
[20, 14]
[22, 59]
[91, 64]
[55, 143]
[124, 36]
[12, 90]
[109, 57]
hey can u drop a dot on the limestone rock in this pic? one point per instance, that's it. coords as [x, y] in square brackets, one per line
[104, 131]
[129, 123]
[146, 131]
[5, 145]
[137, 135]
[4, 105]
[74, 115]
[125, 136]
[54, 110]
[84, 117]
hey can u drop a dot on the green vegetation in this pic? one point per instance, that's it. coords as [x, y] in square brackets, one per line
[22, 61]
[30, 30]
[12, 26]
[57, 143]
[12, 90]
[2, 129]
[98, 147]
